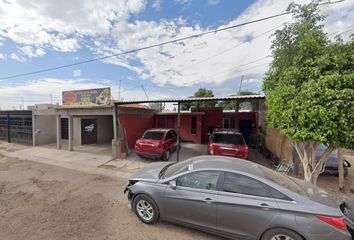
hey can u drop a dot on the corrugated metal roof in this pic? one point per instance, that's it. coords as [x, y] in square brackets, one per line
[182, 100]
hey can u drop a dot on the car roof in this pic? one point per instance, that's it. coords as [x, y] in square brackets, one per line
[230, 163]
[159, 130]
[227, 130]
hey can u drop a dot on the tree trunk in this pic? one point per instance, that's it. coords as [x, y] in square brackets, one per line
[308, 157]
[340, 169]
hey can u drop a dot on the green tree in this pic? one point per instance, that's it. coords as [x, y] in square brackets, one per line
[157, 106]
[202, 92]
[310, 88]
[230, 104]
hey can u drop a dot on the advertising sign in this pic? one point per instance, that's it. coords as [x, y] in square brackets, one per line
[89, 97]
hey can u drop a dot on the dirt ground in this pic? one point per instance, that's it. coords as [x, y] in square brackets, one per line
[39, 201]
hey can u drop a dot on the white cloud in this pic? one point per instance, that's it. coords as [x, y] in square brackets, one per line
[61, 25]
[2, 56]
[183, 2]
[16, 57]
[30, 52]
[157, 5]
[39, 91]
[106, 26]
[213, 2]
[197, 60]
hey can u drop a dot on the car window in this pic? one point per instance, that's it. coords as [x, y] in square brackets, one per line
[236, 183]
[176, 168]
[153, 135]
[235, 139]
[282, 180]
[173, 133]
[169, 135]
[201, 180]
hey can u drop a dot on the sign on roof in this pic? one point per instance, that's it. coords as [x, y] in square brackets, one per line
[89, 97]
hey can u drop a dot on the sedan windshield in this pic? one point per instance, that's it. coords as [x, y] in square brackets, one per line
[153, 135]
[235, 139]
[176, 168]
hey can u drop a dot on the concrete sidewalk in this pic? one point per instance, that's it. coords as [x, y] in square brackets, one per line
[89, 162]
[86, 162]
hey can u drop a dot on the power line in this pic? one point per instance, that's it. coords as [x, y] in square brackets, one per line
[158, 44]
[226, 50]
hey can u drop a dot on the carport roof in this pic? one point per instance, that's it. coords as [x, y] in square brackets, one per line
[182, 113]
[194, 99]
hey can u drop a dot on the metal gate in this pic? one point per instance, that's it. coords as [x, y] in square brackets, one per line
[16, 126]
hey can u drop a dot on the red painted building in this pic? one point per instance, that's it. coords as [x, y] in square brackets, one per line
[199, 123]
[195, 125]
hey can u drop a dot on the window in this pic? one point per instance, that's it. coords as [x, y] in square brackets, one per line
[153, 135]
[194, 125]
[229, 123]
[282, 180]
[169, 135]
[201, 180]
[235, 139]
[174, 133]
[236, 183]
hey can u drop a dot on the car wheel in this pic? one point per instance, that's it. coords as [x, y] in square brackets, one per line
[145, 209]
[166, 155]
[281, 234]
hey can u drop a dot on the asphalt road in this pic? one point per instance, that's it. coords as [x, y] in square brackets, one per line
[39, 201]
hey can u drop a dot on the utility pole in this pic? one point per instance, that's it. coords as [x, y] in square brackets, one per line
[145, 92]
[51, 98]
[239, 90]
[23, 104]
[120, 82]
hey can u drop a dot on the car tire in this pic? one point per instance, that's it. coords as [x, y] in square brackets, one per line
[281, 233]
[145, 209]
[166, 155]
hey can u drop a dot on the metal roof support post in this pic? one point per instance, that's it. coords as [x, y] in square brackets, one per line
[178, 128]
[115, 131]
[8, 127]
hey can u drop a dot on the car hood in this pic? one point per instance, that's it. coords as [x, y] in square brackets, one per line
[149, 172]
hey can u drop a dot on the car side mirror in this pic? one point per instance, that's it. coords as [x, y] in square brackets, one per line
[172, 184]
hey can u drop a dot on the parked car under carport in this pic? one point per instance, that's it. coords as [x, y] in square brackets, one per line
[331, 166]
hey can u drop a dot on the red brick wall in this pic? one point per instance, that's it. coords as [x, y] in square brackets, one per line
[253, 116]
[186, 126]
[135, 125]
[211, 119]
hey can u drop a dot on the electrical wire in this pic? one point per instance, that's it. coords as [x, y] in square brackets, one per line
[158, 44]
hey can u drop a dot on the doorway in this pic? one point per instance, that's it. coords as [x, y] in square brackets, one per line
[64, 128]
[245, 127]
[89, 131]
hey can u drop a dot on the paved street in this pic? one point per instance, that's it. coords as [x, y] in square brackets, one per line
[39, 201]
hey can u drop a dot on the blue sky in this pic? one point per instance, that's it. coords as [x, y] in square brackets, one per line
[42, 34]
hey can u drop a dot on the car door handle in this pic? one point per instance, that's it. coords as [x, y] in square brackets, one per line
[208, 200]
[265, 206]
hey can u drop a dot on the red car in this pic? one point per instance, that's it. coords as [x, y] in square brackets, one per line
[157, 144]
[228, 142]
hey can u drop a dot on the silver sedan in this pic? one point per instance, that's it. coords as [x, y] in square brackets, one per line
[235, 199]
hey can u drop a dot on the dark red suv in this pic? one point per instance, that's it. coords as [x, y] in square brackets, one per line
[156, 143]
[228, 142]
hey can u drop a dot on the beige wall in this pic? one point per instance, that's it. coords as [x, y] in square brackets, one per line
[104, 129]
[44, 130]
[77, 131]
[278, 144]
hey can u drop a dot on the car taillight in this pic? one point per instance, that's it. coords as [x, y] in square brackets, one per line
[337, 222]
[211, 150]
